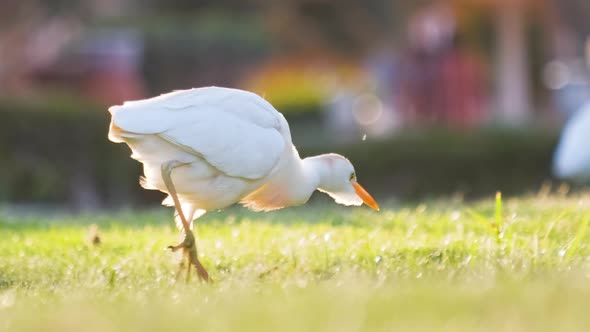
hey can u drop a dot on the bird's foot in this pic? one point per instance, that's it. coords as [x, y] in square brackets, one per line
[189, 250]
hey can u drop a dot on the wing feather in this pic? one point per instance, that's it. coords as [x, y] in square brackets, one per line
[236, 131]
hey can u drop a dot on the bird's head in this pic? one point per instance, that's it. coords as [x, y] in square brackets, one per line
[338, 179]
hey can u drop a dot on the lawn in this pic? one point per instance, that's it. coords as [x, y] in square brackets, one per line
[520, 264]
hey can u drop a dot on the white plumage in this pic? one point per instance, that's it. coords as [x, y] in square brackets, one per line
[208, 121]
[572, 157]
[211, 147]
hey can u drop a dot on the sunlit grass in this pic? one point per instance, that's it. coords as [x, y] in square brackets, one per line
[511, 265]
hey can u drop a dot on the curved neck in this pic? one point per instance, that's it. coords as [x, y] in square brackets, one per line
[315, 170]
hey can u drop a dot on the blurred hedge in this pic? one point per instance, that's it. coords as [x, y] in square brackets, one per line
[429, 164]
[59, 152]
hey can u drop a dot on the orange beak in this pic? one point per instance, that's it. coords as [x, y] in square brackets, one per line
[365, 196]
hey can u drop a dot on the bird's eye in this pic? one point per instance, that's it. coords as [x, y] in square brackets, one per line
[352, 177]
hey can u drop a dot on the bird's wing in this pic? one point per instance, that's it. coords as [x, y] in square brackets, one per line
[237, 132]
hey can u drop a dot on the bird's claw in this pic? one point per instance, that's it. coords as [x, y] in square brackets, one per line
[176, 247]
[189, 250]
[187, 243]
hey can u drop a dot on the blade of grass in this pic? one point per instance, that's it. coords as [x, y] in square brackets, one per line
[498, 215]
[575, 244]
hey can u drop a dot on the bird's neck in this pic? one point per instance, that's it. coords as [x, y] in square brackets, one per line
[315, 171]
[294, 184]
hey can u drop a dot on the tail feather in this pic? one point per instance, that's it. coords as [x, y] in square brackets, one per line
[115, 133]
[145, 184]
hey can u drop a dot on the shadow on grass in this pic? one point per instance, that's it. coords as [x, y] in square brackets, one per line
[314, 213]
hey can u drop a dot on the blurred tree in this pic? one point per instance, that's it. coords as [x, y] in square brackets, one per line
[350, 27]
[575, 13]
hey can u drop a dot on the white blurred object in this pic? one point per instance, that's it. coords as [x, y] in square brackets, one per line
[367, 109]
[340, 119]
[433, 27]
[374, 116]
[556, 75]
[569, 82]
[572, 157]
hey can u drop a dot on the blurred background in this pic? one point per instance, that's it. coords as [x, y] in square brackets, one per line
[427, 98]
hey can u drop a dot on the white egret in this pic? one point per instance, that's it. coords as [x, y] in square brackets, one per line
[208, 148]
[572, 157]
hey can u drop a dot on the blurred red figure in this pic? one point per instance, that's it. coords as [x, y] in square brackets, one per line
[461, 88]
[113, 74]
[103, 66]
[442, 83]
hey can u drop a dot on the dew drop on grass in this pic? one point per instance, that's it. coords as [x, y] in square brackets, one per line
[301, 283]
[7, 299]
[301, 242]
[466, 260]
[421, 209]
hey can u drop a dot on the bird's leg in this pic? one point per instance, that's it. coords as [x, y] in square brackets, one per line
[201, 271]
[188, 245]
[188, 272]
[180, 268]
[176, 247]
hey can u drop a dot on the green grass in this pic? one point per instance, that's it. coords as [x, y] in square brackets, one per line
[512, 265]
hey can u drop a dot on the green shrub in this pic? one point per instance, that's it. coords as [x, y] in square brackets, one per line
[415, 165]
[56, 152]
